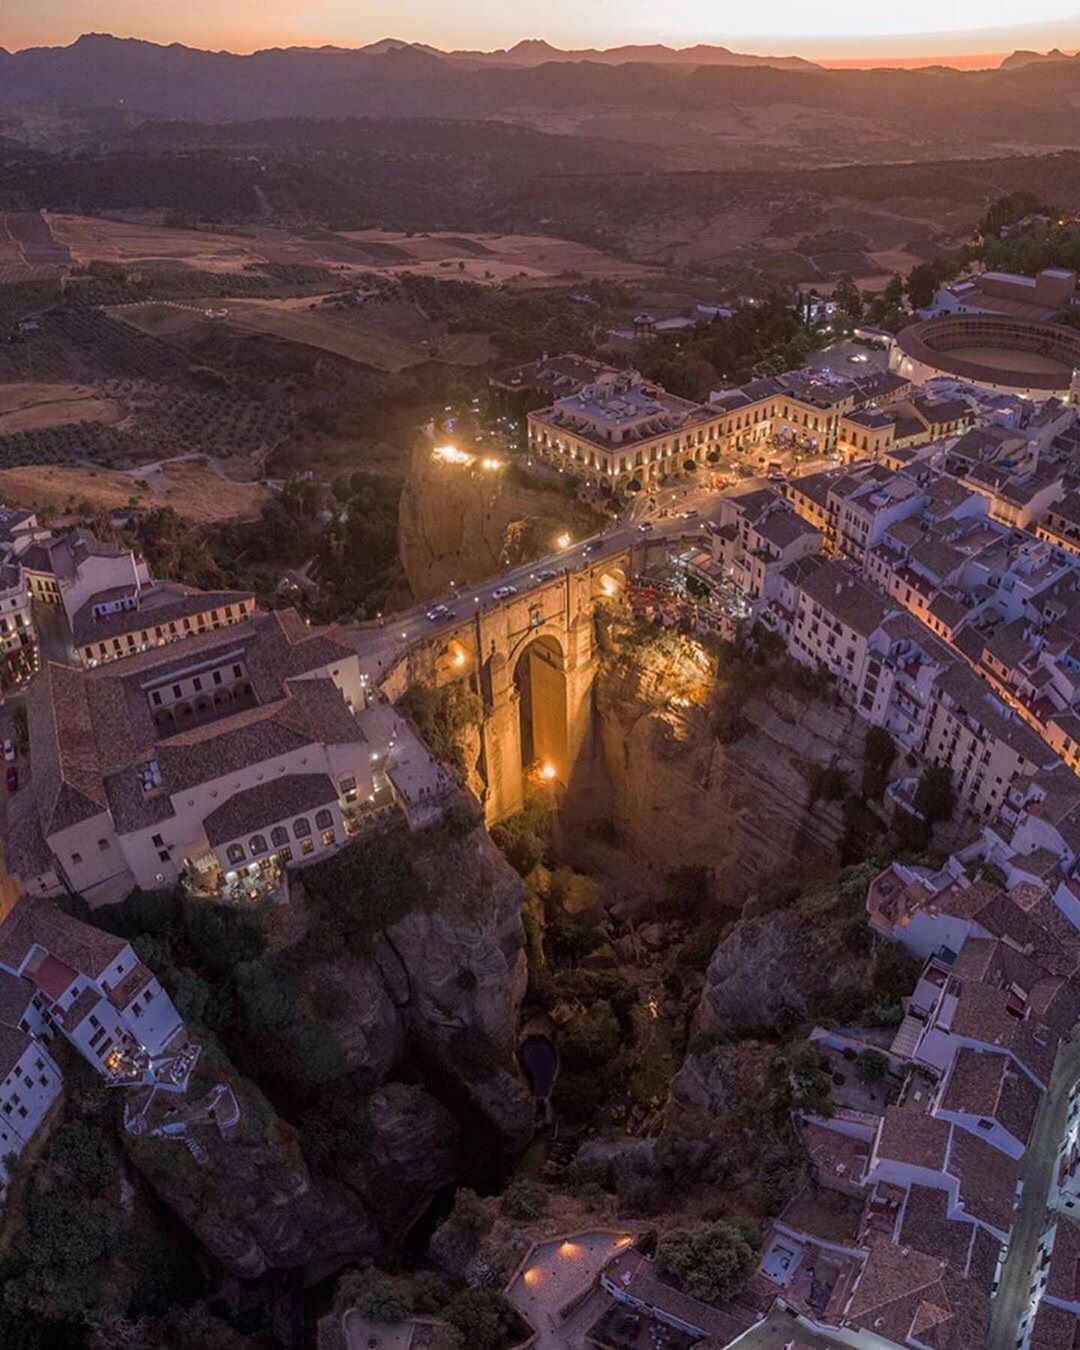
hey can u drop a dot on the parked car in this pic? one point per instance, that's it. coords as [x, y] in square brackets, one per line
[503, 592]
[9, 749]
[12, 778]
[546, 575]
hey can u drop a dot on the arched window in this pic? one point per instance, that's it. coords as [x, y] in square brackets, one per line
[279, 836]
[257, 844]
[301, 827]
[324, 820]
[235, 853]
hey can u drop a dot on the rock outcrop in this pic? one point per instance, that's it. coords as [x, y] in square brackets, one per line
[248, 1196]
[444, 984]
[460, 523]
[772, 971]
[744, 809]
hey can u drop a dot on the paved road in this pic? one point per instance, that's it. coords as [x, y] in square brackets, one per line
[1030, 1224]
[386, 643]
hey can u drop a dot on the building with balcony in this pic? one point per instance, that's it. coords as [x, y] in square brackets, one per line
[217, 761]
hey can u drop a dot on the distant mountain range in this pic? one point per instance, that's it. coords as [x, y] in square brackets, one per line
[1018, 60]
[536, 52]
[699, 107]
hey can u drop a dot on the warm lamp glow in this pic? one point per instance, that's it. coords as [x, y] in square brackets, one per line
[450, 454]
[548, 771]
[563, 541]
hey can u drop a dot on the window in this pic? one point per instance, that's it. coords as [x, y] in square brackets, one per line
[323, 819]
[158, 841]
[285, 854]
[279, 836]
[348, 789]
[175, 688]
[986, 1124]
[308, 846]
[236, 671]
[163, 855]
[301, 827]
[217, 676]
[197, 683]
[257, 844]
[76, 858]
[327, 837]
[103, 845]
[235, 853]
[156, 698]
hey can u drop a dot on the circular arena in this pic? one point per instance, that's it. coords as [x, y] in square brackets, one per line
[994, 351]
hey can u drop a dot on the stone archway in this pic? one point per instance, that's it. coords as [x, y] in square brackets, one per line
[540, 681]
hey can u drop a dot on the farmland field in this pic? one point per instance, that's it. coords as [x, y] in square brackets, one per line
[197, 493]
[28, 407]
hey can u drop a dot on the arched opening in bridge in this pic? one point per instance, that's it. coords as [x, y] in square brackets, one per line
[540, 680]
[610, 583]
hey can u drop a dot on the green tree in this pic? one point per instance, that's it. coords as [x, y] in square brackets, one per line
[871, 1066]
[849, 301]
[524, 1199]
[483, 1317]
[879, 752]
[712, 1263]
[934, 798]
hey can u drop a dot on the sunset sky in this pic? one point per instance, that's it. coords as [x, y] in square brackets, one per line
[821, 29]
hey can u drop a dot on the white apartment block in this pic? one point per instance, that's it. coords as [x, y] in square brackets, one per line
[216, 762]
[93, 988]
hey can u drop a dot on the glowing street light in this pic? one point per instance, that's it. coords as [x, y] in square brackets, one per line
[548, 772]
[563, 541]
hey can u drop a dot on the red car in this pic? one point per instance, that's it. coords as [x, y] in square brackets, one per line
[12, 779]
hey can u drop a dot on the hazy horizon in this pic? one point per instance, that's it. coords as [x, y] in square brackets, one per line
[846, 32]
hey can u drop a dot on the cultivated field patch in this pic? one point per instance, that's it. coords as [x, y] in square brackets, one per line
[29, 407]
[192, 489]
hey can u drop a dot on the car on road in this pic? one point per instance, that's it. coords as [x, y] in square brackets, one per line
[546, 575]
[12, 778]
[645, 527]
[437, 612]
[503, 592]
[689, 514]
[9, 749]
[590, 548]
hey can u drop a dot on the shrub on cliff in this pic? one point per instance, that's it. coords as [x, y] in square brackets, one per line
[712, 1263]
[484, 1318]
[524, 1199]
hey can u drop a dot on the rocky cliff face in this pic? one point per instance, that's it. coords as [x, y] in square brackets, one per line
[461, 523]
[444, 984]
[679, 795]
[438, 995]
[247, 1193]
[773, 971]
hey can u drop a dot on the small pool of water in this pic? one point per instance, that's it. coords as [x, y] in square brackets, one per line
[540, 1061]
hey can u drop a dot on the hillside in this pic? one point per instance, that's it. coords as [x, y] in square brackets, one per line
[803, 112]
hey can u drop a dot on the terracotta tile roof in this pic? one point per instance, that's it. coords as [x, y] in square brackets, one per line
[990, 1085]
[259, 807]
[87, 949]
[901, 1289]
[156, 608]
[909, 1136]
[68, 785]
[987, 1179]
[16, 995]
[835, 1155]
[1063, 1276]
[13, 1045]
[1054, 1329]
[841, 592]
[927, 1227]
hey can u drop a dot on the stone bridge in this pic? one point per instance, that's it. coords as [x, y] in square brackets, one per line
[532, 660]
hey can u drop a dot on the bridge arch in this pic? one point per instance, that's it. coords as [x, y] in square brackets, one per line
[539, 675]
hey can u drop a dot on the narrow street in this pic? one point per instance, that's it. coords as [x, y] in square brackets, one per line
[1039, 1164]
